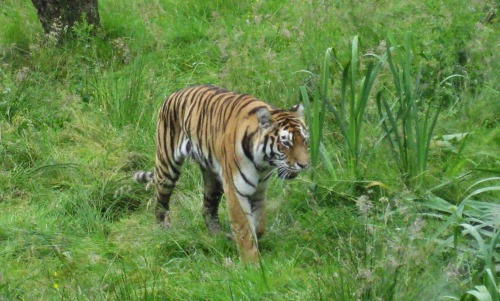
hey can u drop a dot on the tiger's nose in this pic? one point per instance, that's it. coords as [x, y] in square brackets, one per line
[303, 165]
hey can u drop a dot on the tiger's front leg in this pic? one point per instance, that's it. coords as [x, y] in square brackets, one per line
[258, 211]
[242, 224]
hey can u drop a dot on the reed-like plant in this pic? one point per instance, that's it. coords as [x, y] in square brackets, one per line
[349, 111]
[407, 125]
[488, 292]
[357, 98]
[477, 219]
[315, 114]
[483, 214]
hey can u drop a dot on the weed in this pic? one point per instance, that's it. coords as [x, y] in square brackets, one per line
[407, 129]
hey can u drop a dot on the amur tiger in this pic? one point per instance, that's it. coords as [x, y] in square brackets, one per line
[238, 141]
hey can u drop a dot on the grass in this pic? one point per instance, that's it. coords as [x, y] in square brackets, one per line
[76, 120]
[315, 113]
[407, 127]
[350, 112]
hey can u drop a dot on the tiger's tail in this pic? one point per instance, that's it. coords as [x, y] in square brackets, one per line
[145, 177]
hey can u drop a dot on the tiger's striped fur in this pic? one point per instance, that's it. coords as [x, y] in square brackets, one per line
[238, 141]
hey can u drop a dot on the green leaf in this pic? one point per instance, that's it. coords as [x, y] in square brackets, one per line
[481, 293]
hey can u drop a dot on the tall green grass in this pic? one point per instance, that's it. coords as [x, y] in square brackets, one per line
[488, 292]
[123, 98]
[349, 111]
[407, 124]
[315, 114]
[475, 226]
[15, 100]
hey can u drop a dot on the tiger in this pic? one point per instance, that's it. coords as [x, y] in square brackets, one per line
[238, 141]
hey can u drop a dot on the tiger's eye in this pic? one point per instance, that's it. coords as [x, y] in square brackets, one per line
[285, 143]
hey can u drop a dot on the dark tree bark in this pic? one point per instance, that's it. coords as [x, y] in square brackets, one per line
[58, 16]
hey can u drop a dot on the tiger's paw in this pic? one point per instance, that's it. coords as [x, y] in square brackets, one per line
[166, 223]
[163, 218]
[229, 235]
[213, 225]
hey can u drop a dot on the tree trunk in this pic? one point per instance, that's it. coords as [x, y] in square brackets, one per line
[58, 16]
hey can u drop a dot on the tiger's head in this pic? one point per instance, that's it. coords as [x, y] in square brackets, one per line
[285, 141]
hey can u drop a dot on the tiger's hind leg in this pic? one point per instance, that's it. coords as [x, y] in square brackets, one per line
[165, 183]
[167, 172]
[211, 200]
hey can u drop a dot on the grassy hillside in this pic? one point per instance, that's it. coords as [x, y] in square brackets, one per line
[402, 202]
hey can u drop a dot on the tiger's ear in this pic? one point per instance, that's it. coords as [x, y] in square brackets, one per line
[264, 117]
[298, 109]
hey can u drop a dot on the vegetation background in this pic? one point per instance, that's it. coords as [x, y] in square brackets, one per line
[396, 207]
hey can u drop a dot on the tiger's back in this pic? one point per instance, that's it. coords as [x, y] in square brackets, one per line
[200, 119]
[237, 141]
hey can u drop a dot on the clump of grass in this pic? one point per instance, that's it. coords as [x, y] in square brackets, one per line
[407, 126]
[15, 99]
[476, 216]
[379, 253]
[349, 111]
[488, 292]
[315, 115]
[124, 99]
